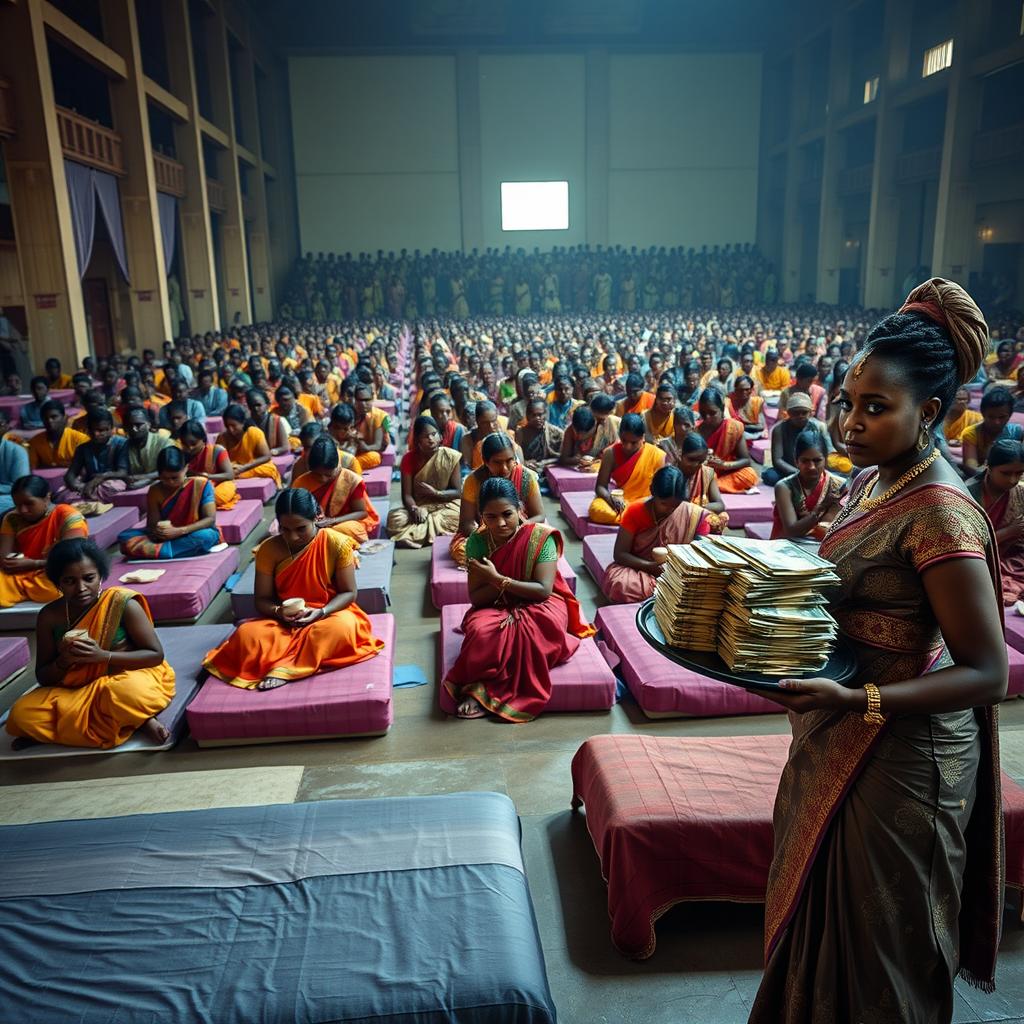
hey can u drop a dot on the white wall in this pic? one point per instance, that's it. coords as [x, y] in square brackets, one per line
[376, 152]
[377, 143]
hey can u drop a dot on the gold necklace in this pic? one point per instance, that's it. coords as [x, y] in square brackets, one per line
[866, 504]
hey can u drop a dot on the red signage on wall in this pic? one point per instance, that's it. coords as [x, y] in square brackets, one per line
[144, 296]
[46, 300]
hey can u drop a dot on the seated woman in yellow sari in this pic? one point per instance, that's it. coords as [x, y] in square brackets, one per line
[341, 493]
[373, 428]
[999, 492]
[274, 428]
[328, 632]
[748, 408]
[431, 489]
[700, 483]
[500, 460]
[209, 461]
[181, 514]
[807, 501]
[105, 680]
[659, 421]
[27, 534]
[626, 468]
[728, 455]
[487, 422]
[959, 418]
[246, 446]
[666, 517]
[524, 621]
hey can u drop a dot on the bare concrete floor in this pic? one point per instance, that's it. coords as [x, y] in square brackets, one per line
[708, 960]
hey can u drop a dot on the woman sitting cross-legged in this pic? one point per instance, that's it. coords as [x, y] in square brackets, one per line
[524, 621]
[246, 446]
[807, 501]
[341, 493]
[666, 517]
[99, 662]
[629, 466]
[27, 534]
[431, 487]
[315, 569]
[181, 514]
[998, 490]
[210, 461]
[500, 460]
[701, 484]
[728, 456]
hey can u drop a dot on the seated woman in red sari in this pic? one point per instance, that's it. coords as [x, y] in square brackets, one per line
[807, 501]
[108, 677]
[328, 631]
[524, 621]
[209, 461]
[627, 469]
[728, 455]
[700, 482]
[666, 517]
[500, 460]
[341, 493]
[27, 534]
[748, 408]
[1000, 494]
[181, 514]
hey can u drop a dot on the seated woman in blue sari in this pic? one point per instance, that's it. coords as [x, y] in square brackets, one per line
[181, 516]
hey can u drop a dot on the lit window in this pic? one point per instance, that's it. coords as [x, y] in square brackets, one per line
[871, 90]
[938, 58]
[534, 205]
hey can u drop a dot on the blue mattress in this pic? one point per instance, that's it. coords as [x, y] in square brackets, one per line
[410, 911]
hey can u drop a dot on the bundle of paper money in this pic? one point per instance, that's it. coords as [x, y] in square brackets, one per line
[759, 604]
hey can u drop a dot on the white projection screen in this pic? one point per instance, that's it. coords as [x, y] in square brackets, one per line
[534, 205]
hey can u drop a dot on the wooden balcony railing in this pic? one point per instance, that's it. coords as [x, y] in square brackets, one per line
[170, 175]
[87, 142]
[918, 165]
[215, 196]
[6, 108]
[996, 146]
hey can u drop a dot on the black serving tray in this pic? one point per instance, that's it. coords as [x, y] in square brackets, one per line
[841, 667]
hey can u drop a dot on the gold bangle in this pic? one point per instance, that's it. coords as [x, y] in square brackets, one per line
[873, 715]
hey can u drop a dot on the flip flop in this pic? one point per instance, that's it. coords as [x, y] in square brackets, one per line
[479, 712]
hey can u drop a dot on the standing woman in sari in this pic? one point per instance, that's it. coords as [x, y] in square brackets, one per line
[27, 534]
[501, 460]
[628, 467]
[330, 632]
[887, 877]
[209, 461]
[181, 514]
[94, 690]
[524, 621]
[699, 480]
[246, 446]
[666, 517]
[808, 500]
[727, 446]
[340, 492]
[1000, 494]
[430, 489]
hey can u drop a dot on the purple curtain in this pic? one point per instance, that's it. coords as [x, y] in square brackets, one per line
[110, 203]
[167, 209]
[83, 210]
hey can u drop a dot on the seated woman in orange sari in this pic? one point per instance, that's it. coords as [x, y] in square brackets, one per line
[728, 455]
[340, 492]
[1000, 494]
[500, 460]
[627, 469]
[308, 434]
[666, 517]
[699, 480]
[328, 631]
[807, 501]
[659, 420]
[246, 446]
[524, 621]
[107, 677]
[209, 461]
[27, 534]
[748, 408]
[181, 514]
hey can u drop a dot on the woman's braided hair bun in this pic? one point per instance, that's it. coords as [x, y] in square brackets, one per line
[948, 304]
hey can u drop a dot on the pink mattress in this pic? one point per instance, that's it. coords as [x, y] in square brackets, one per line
[378, 481]
[258, 488]
[584, 683]
[185, 591]
[388, 458]
[758, 449]
[54, 477]
[237, 523]
[214, 425]
[661, 687]
[136, 499]
[749, 508]
[450, 585]
[759, 531]
[284, 464]
[1015, 683]
[575, 506]
[104, 528]
[676, 819]
[1014, 629]
[562, 480]
[771, 415]
[14, 656]
[598, 554]
[352, 701]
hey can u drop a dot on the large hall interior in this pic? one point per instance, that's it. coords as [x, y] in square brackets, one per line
[512, 511]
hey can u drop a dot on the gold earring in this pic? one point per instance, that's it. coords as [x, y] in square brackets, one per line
[924, 438]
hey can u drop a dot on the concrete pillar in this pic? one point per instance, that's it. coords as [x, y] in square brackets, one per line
[598, 145]
[282, 214]
[150, 309]
[792, 229]
[39, 197]
[467, 101]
